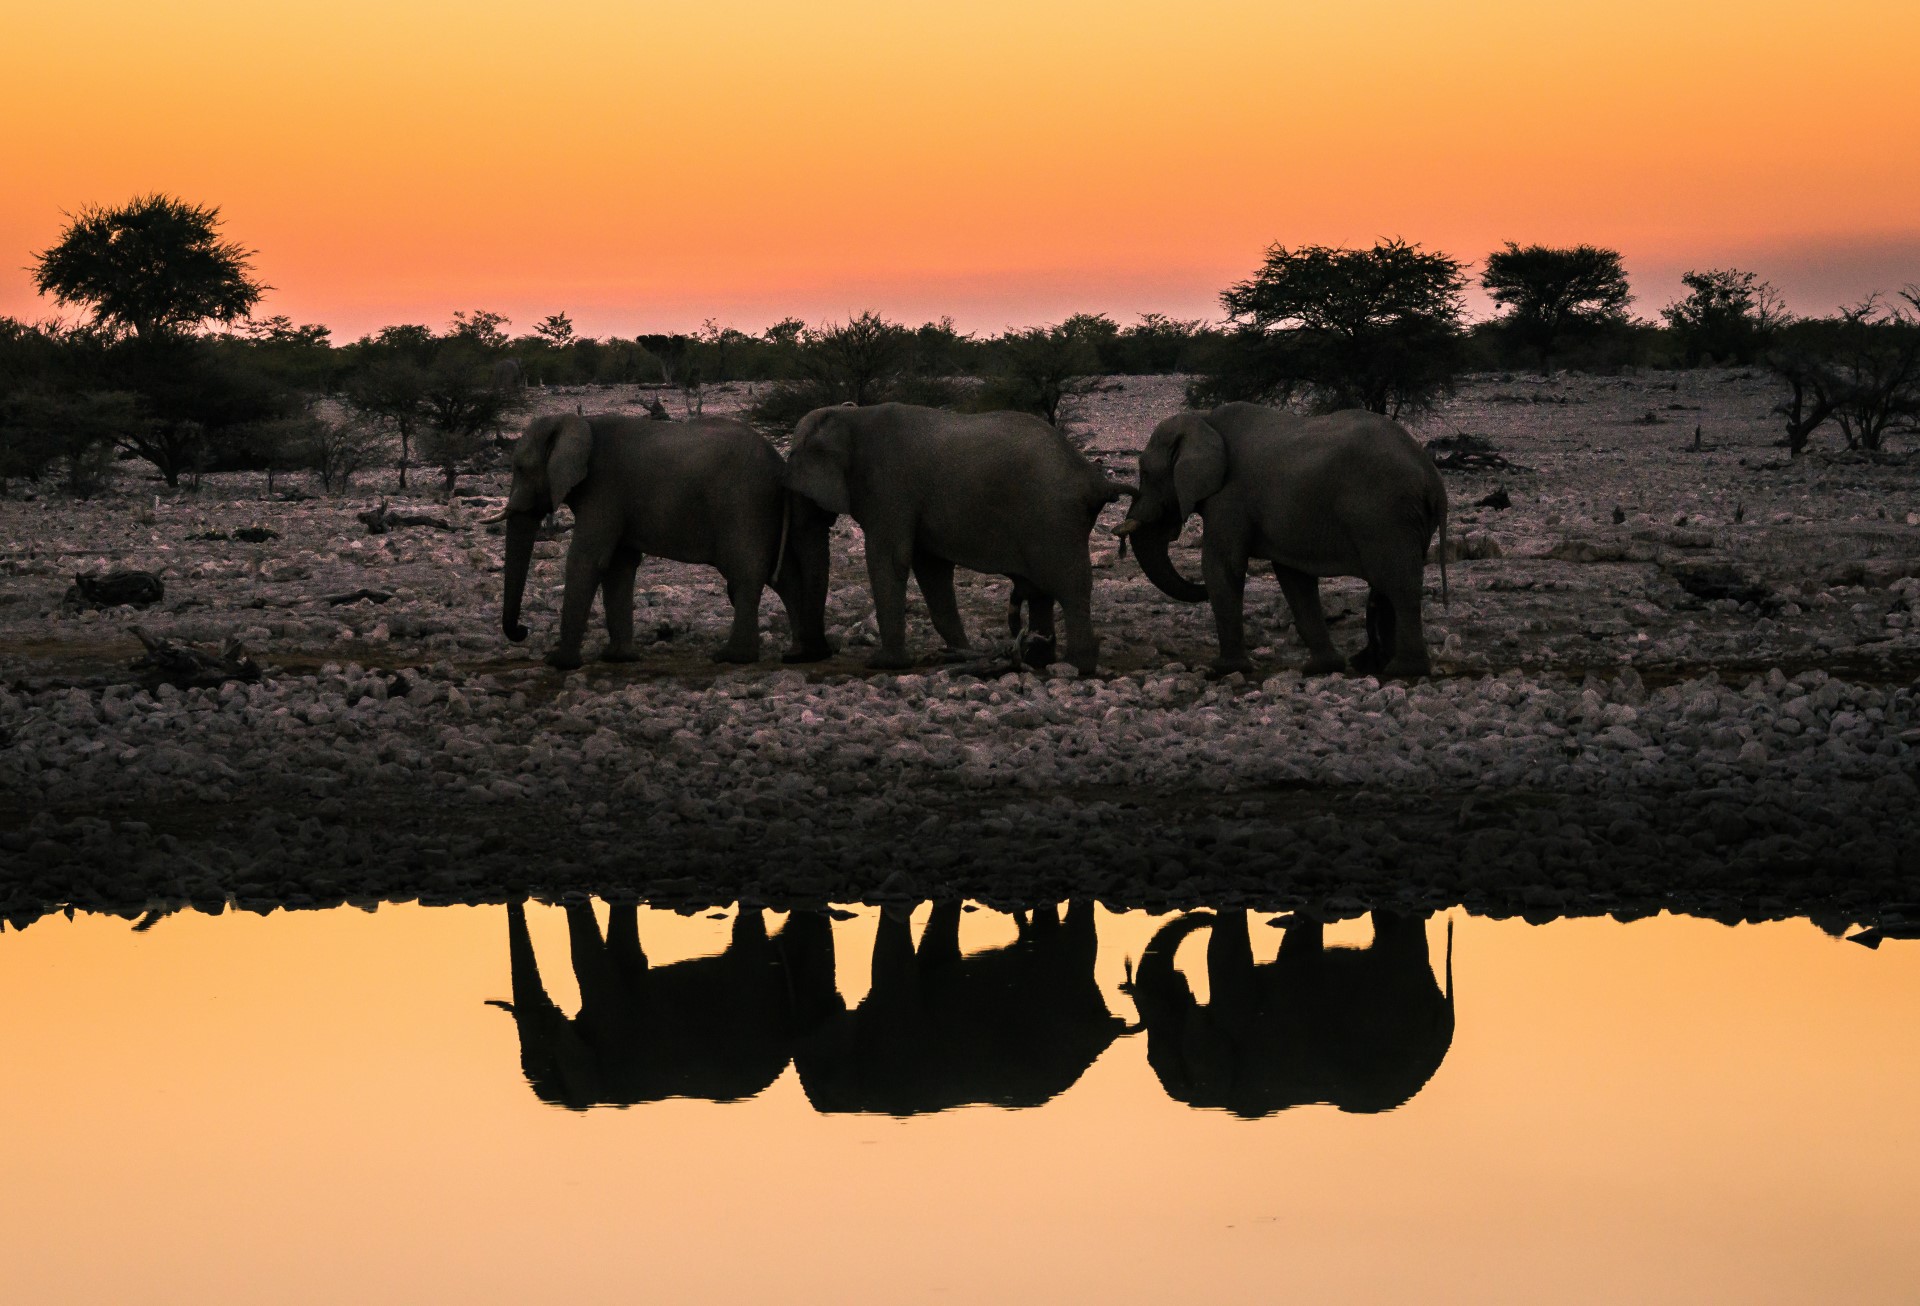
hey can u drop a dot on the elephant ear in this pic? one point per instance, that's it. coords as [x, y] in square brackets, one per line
[817, 468]
[1199, 465]
[567, 462]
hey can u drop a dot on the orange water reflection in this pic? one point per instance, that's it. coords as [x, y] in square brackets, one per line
[320, 1107]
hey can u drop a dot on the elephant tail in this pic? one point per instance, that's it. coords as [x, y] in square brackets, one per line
[1449, 963]
[786, 521]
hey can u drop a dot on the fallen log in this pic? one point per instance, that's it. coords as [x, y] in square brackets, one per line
[138, 588]
[186, 667]
[382, 519]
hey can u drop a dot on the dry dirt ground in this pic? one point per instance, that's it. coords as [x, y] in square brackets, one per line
[1603, 732]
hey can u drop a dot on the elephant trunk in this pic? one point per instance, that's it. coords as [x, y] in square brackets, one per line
[1150, 542]
[1156, 982]
[521, 528]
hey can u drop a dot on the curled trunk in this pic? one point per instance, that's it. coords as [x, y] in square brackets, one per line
[521, 528]
[1150, 541]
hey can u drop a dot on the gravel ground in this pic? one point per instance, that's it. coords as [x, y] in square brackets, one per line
[1603, 734]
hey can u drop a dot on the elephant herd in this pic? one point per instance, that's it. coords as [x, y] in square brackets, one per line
[1363, 1029]
[1345, 494]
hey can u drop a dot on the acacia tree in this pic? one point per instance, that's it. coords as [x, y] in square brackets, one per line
[153, 266]
[1552, 294]
[1726, 315]
[1045, 370]
[462, 410]
[1371, 328]
[153, 273]
[1860, 369]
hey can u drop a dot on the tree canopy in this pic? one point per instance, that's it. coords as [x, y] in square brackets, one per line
[1553, 293]
[153, 266]
[1726, 315]
[1374, 328]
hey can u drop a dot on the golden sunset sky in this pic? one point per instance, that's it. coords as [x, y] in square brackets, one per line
[645, 166]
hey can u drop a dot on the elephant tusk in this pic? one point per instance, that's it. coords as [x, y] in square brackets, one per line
[497, 517]
[1126, 528]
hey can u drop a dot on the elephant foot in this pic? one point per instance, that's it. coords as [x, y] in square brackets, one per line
[1331, 664]
[728, 653]
[885, 661]
[1407, 669]
[1220, 668]
[620, 655]
[1369, 661]
[563, 659]
[810, 652]
[1040, 654]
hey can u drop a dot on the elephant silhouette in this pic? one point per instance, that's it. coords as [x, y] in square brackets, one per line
[720, 1027]
[1012, 1026]
[1362, 1029]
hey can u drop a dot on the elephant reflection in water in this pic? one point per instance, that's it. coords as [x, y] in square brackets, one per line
[1011, 1026]
[720, 1027]
[1363, 1029]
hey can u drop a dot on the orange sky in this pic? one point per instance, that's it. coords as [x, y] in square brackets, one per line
[645, 166]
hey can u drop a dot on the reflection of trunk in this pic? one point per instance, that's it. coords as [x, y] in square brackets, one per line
[1150, 541]
[521, 528]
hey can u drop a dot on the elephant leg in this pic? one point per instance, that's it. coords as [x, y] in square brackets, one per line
[934, 575]
[1042, 648]
[805, 946]
[1080, 942]
[1226, 582]
[616, 597]
[1380, 625]
[1303, 599]
[591, 965]
[1409, 636]
[743, 639]
[1076, 608]
[623, 942]
[583, 578]
[749, 928]
[1300, 948]
[1230, 962]
[1398, 577]
[887, 574]
[940, 942]
[802, 585]
[894, 983]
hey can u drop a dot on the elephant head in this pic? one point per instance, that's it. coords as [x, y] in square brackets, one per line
[549, 463]
[720, 1027]
[1363, 1029]
[1184, 464]
[818, 459]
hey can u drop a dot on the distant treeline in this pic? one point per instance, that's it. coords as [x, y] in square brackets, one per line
[172, 367]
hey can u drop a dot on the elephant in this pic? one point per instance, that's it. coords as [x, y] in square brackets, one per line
[1344, 494]
[709, 490]
[721, 1027]
[1013, 1026]
[1363, 1029]
[1003, 493]
[507, 375]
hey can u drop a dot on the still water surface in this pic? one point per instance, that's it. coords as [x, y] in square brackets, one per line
[340, 1106]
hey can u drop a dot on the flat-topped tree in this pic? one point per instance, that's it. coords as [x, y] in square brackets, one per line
[153, 266]
[1374, 328]
[1554, 295]
[153, 274]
